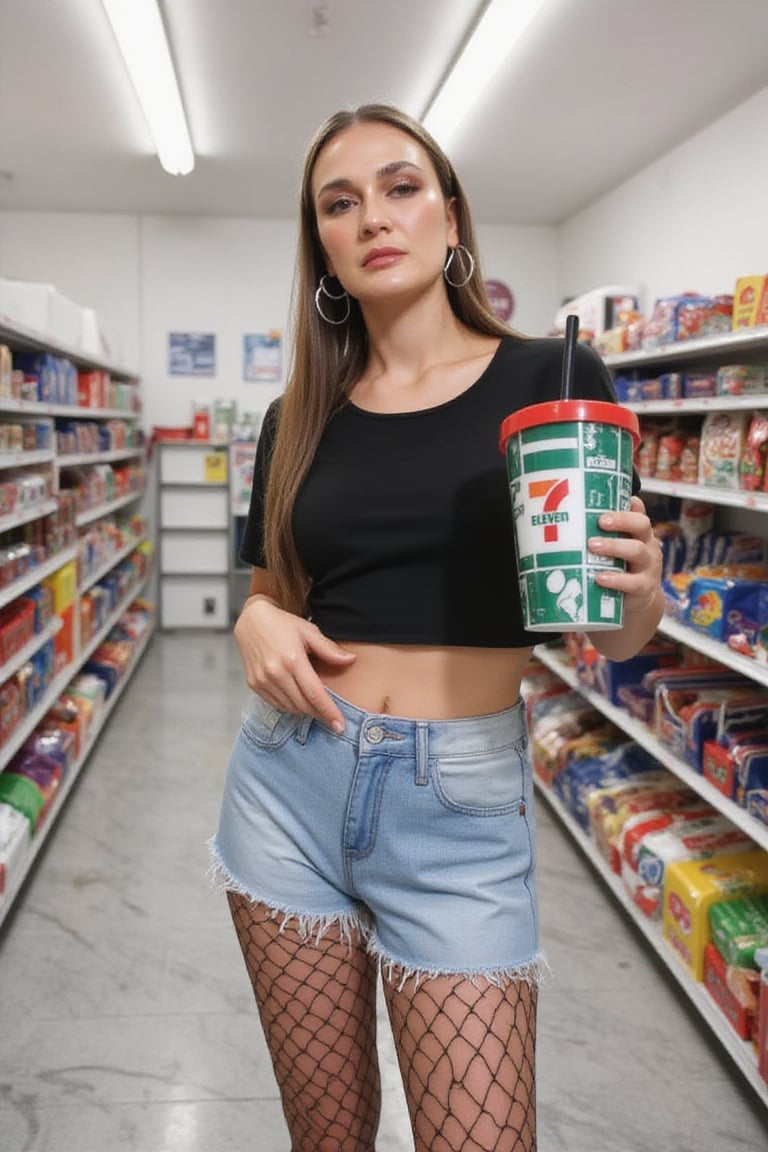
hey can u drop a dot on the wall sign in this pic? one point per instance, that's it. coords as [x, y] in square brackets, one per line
[262, 356]
[191, 354]
[501, 299]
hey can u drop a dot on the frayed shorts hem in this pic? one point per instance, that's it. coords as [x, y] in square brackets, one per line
[355, 925]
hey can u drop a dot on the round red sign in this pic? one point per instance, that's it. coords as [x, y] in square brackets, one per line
[501, 299]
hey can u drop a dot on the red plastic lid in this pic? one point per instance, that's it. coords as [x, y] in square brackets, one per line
[566, 411]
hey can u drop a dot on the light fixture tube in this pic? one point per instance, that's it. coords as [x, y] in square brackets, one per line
[498, 29]
[138, 28]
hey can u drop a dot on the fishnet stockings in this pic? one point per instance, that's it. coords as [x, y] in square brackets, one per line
[467, 1055]
[317, 1003]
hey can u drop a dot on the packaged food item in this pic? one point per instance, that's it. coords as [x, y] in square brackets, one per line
[723, 437]
[738, 928]
[729, 988]
[740, 379]
[690, 889]
[752, 462]
[750, 304]
[704, 317]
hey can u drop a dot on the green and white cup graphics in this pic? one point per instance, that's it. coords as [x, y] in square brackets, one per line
[568, 462]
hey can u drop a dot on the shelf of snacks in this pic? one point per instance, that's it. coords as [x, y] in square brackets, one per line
[32, 718]
[645, 738]
[26, 514]
[749, 666]
[740, 1051]
[35, 575]
[24, 653]
[30, 340]
[105, 509]
[30, 845]
[75, 459]
[76, 416]
[23, 459]
[93, 577]
[715, 346]
[725, 497]
[694, 405]
[11, 404]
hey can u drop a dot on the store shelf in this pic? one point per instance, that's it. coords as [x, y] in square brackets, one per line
[645, 738]
[29, 340]
[92, 514]
[699, 404]
[715, 649]
[75, 459]
[741, 1052]
[57, 686]
[108, 565]
[76, 412]
[36, 843]
[36, 575]
[725, 497]
[19, 658]
[25, 515]
[721, 346]
[24, 459]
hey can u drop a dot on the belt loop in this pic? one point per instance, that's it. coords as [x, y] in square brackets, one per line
[422, 752]
[303, 729]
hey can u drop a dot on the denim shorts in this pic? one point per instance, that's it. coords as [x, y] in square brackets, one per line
[418, 834]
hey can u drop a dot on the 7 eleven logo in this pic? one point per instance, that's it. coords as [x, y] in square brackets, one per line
[554, 492]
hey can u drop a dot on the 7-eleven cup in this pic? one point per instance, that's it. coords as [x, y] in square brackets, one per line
[568, 462]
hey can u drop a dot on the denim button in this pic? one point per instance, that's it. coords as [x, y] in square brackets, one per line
[375, 734]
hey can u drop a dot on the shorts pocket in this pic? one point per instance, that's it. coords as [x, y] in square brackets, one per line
[482, 784]
[267, 726]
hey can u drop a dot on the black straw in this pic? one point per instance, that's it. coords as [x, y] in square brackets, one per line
[571, 336]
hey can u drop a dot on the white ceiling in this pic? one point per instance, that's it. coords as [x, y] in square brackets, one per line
[595, 91]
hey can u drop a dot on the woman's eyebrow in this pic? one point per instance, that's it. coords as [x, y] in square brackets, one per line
[386, 170]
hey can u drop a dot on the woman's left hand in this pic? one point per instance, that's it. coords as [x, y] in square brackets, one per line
[641, 551]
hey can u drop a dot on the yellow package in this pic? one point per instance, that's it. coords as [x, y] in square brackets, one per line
[63, 585]
[690, 886]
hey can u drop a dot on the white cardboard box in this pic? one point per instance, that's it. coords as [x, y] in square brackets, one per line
[26, 304]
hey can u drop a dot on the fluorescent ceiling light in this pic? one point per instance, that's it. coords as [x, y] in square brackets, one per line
[138, 27]
[498, 29]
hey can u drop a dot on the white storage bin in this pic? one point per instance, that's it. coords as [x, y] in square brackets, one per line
[187, 464]
[194, 508]
[26, 304]
[189, 602]
[64, 320]
[194, 552]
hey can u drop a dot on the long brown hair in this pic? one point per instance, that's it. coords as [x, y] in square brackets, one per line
[328, 359]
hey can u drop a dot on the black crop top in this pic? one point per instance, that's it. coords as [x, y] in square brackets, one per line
[404, 519]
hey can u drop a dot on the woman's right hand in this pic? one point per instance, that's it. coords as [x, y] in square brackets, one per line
[275, 647]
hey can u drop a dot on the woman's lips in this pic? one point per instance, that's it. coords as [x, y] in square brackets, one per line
[381, 257]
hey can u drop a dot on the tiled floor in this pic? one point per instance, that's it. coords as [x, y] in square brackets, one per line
[126, 1021]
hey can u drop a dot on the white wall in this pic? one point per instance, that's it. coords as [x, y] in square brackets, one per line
[94, 260]
[526, 260]
[693, 220]
[151, 275]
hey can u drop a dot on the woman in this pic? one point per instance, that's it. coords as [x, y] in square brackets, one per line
[378, 806]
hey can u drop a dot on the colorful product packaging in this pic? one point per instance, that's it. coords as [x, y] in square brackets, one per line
[692, 886]
[750, 303]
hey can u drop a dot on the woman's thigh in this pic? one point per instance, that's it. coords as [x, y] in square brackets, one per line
[466, 1051]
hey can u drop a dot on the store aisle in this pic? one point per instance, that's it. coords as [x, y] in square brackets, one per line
[126, 1021]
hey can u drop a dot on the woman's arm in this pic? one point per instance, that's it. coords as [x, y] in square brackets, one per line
[276, 648]
[641, 583]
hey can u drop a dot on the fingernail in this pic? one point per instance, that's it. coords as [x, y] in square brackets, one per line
[606, 521]
[338, 727]
[596, 544]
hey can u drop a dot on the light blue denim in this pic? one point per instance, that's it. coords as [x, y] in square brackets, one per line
[418, 834]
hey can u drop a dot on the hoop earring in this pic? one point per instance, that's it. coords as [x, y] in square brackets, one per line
[466, 255]
[323, 291]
